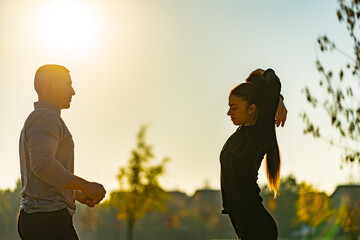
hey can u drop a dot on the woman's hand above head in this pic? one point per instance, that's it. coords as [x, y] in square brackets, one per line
[281, 114]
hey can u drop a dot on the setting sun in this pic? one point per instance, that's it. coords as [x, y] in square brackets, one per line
[67, 26]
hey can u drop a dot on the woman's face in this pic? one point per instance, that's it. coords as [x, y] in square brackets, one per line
[240, 112]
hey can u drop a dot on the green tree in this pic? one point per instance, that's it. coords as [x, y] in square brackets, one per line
[283, 208]
[9, 208]
[340, 98]
[89, 219]
[140, 191]
[312, 206]
[349, 217]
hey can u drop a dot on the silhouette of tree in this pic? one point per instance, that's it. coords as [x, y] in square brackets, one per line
[89, 219]
[312, 206]
[9, 208]
[340, 87]
[349, 217]
[283, 208]
[140, 191]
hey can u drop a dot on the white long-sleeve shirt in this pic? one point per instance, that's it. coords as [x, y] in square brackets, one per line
[46, 161]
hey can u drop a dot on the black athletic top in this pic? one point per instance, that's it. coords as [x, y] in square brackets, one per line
[244, 151]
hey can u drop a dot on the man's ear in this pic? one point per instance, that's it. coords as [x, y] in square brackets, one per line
[49, 87]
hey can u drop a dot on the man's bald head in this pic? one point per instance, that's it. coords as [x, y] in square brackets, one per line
[53, 84]
[46, 74]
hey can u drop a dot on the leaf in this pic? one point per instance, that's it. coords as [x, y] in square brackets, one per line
[339, 15]
[341, 75]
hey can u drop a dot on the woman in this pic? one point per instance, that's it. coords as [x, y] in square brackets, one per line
[255, 106]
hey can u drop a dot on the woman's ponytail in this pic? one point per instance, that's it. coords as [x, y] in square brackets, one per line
[273, 163]
[252, 91]
[272, 157]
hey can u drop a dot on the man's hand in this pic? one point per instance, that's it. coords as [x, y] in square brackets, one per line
[82, 198]
[94, 191]
[281, 114]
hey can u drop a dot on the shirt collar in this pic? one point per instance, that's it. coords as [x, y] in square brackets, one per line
[50, 106]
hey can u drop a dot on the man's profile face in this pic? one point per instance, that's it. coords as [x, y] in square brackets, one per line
[62, 90]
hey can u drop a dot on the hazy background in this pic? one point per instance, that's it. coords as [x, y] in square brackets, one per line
[171, 64]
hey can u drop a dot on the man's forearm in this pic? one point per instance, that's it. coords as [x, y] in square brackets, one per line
[92, 190]
[77, 183]
[78, 195]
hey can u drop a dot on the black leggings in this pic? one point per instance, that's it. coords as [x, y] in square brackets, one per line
[56, 225]
[256, 225]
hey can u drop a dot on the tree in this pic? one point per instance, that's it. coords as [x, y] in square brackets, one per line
[140, 191]
[312, 206]
[341, 88]
[349, 217]
[283, 208]
[89, 219]
[9, 208]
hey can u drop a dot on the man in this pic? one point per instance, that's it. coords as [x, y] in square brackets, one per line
[49, 186]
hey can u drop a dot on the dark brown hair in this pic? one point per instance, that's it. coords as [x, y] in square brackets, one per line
[252, 91]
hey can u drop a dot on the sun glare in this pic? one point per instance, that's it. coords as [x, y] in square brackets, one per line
[68, 26]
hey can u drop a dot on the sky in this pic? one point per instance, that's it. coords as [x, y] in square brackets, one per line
[169, 64]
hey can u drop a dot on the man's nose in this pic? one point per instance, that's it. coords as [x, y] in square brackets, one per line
[72, 91]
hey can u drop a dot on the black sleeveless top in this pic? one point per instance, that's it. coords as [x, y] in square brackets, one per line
[243, 152]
